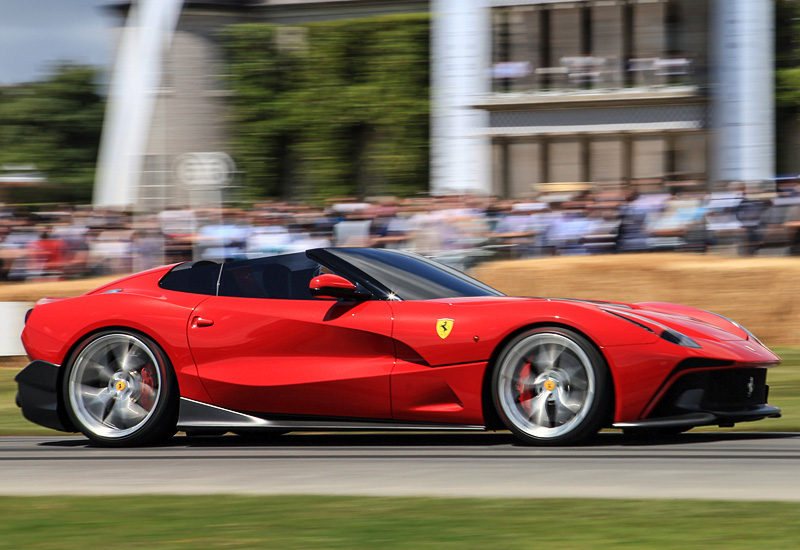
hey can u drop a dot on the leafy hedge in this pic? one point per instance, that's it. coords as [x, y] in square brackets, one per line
[331, 109]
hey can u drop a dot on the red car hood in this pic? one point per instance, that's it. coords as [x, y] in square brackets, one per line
[689, 321]
[692, 322]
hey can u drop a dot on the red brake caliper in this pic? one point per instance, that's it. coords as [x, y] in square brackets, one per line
[146, 399]
[525, 391]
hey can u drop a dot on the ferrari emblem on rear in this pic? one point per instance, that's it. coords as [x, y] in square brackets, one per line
[444, 327]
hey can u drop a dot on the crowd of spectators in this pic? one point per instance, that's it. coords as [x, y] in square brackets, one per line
[73, 242]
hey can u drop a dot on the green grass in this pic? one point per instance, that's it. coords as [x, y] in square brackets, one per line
[784, 382]
[287, 523]
[784, 392]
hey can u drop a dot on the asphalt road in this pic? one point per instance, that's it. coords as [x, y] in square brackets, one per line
[736, 466]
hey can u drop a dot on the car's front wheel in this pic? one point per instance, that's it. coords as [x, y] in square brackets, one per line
[551, 387]
[120, 390]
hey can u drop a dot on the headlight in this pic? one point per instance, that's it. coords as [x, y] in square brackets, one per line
[669, 334]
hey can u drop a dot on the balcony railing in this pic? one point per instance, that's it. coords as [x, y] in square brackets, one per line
[575, 73]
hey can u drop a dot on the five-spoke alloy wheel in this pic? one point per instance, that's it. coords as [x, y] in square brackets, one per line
[551, 387]
[119, 389]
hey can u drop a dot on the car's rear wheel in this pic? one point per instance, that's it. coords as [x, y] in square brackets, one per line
[120, 390]
[551, 387]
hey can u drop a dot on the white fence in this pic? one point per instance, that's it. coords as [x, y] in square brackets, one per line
[12, 319]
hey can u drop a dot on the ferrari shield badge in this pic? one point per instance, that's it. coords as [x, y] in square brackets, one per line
[444, 327]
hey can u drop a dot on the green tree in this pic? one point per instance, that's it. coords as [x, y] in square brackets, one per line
[787, 80]
[787, 54]
[54, 124]
[330, 109]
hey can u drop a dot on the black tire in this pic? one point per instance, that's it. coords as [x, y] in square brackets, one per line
[119, 390]
[551, 386]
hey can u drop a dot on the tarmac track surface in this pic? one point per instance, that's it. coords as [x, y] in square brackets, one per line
[730, 466]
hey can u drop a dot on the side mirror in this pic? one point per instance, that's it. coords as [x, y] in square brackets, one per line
[335, 286]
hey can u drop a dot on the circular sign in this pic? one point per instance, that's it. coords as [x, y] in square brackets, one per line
[205, 169]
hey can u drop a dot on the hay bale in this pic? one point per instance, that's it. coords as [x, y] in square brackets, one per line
[32, 291]
[759, 293]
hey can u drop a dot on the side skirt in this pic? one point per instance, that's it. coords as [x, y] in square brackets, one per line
[194, 415]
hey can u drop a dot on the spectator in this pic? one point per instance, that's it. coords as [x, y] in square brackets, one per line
[458, 230]
[749, 212]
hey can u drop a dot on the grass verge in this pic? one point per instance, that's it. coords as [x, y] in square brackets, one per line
[289, 522]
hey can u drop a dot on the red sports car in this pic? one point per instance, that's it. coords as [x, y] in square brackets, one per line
[359, 338]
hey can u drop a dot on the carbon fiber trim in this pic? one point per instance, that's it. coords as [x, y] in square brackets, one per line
[194, 414]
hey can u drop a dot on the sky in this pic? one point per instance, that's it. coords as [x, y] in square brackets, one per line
[35, 34]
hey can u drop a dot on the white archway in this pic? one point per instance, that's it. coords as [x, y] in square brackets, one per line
[137, 76]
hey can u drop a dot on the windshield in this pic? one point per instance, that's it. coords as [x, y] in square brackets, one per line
[409, 276]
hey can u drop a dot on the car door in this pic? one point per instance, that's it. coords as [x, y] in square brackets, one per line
[441, 362]
[291, 354]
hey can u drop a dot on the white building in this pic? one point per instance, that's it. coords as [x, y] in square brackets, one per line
[526, 94]
[594, 92]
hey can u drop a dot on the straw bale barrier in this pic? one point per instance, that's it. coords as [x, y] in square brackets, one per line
[761, 293]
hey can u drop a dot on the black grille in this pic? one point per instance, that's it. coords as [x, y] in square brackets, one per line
[725, 390]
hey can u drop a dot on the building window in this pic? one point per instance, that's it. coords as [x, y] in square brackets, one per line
[608, 42]
[606, 161]
[522, 165]
[526, 159]
[689, 153]
[648, 158]
[571, 46]
[564, 161]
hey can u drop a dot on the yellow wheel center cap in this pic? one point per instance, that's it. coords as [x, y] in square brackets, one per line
[549, 385]
[121, 385]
